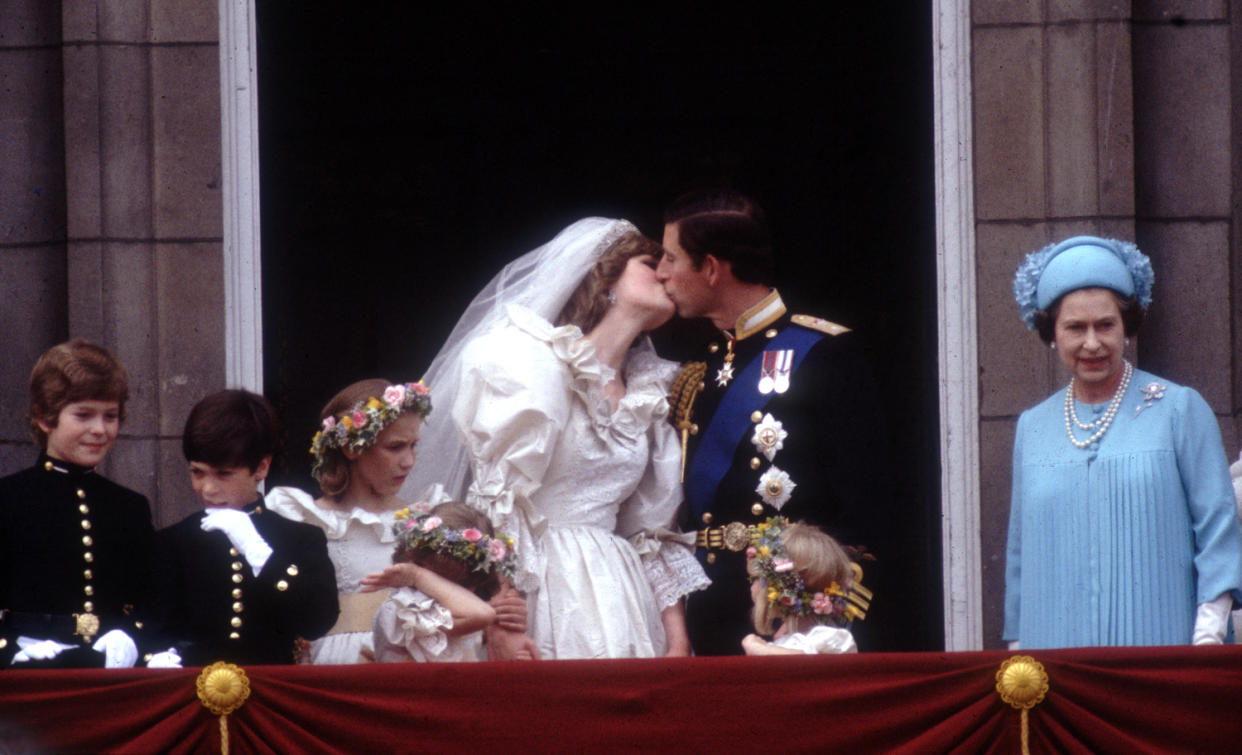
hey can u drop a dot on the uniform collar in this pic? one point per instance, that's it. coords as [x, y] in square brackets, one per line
[56, 466]
[768, 310]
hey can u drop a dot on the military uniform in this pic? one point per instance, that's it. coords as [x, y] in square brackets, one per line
[212, 607]
[75, 560]
[803, 437]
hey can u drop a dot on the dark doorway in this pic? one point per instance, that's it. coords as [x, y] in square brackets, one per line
[407, 154]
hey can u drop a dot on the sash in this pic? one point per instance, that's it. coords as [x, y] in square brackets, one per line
[731, 421]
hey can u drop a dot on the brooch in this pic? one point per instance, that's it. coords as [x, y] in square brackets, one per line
[775, 487]
[769, 436]
[1152, 392]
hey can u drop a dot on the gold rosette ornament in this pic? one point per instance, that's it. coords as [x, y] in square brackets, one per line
[1022, 682]
[222, 689]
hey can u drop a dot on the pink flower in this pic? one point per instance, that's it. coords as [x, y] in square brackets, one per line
[421, 507]
[821, 603]
[394, 395]
[782, 565]
[496, 549]
[471, 534]
[329, 422]
[409, 523]
[750, 551]
[360, 419]
[419, 388]
[431, 522]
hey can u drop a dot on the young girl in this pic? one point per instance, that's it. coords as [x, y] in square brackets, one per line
[802, 577]
[362, 455]
[447, 564]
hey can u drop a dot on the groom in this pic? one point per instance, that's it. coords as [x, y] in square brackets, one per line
[780, 417]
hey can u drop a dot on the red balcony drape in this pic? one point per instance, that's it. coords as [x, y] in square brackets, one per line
[1100, 700]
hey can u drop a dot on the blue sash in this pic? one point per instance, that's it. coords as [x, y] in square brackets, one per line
[731, 422]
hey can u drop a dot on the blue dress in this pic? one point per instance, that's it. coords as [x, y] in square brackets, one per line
[1117, 543]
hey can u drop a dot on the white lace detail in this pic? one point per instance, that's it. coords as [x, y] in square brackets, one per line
[673, 573]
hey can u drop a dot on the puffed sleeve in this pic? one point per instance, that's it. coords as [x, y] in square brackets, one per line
[1209, 495]
[410, 625]
[822, 640]
[1013, 550]
[511, 406]
[648, 517]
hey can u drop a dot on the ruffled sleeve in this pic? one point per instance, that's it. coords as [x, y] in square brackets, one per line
[511, 407]
[410, 625]
[648, 517]
[299, 506]
[821, 640]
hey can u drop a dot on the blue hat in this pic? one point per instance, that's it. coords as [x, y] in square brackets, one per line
[1081, 262]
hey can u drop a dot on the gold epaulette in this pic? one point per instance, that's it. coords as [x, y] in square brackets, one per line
[681, 396]
[820, 324]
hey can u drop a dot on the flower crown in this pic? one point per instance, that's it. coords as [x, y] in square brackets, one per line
[358, 428]
[788, 594]
[478, 551]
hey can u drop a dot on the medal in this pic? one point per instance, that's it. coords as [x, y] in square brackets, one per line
[725, 373]
[784, 367]
[767, 373]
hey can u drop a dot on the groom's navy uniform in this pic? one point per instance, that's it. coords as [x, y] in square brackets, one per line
[787, 422]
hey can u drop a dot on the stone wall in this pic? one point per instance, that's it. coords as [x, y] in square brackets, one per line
[1115, 119]
[112, 210]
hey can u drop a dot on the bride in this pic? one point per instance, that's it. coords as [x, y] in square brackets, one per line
[560, 435]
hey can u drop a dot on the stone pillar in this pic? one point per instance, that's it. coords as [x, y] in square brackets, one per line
[1054, 157]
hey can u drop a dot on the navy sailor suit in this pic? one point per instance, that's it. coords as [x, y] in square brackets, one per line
[794, 430]
[212, 607]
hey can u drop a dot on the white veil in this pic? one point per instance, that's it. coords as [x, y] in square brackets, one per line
[541, 280]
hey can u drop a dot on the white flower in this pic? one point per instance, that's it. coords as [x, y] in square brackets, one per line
[769, 436]
[775, 488]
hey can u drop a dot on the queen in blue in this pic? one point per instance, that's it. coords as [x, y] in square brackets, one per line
[1122, 526]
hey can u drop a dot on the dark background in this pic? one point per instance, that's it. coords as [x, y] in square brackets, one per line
[406, 155]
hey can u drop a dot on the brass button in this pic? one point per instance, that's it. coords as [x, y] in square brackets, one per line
[713, 348]
[146, 658]
[282, 585]
[86, 524]
[234, 636]
[756, 416]
[754, 462]
[237, 607]
[694, 429]
[233, 552]
[757, 509]
[236, 622]
[237, 566]
[770, 333]
[48, 466]
[702, 385]
[81, 493]
[87, 541]
[137, 625]
[88, 606]
[3, 642]
[88, 557]
[83, 508]
[88, 590]
[707, 517]
[86, 573]
[237, 593]
[711, 558]
[237, 579]
[292, 571]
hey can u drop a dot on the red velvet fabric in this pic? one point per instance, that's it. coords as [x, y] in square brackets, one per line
[1100, 700]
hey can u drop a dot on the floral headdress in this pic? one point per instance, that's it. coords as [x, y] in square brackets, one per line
[358, 428]
[478, 551]
[788, 595]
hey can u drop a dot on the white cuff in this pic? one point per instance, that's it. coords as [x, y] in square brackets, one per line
[1211, 621]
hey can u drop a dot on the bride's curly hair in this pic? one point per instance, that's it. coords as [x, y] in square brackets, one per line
[589, 301]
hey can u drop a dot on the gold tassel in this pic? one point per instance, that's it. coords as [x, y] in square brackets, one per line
[222, 689]
[681, 396]
[1022, 682]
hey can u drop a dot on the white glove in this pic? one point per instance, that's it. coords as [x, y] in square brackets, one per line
[1211, 621]
[169, 658]
[38, 650]
[240, 530]
[1015, 645]
[118, 649]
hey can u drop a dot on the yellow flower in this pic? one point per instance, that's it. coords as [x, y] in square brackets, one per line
[773, 594]
[762, 526]
[374, 403]
[402, 515]
[348, 422]
[765, 551]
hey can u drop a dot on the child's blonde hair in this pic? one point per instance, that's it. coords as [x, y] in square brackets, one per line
[817, 558]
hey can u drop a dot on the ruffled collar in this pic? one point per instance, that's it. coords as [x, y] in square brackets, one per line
[298, 505]
[647, 376]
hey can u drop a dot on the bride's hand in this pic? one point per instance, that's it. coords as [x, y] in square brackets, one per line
[397, 575]
[510, 609]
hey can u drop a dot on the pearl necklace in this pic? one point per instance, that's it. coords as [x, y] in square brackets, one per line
[1103, 423]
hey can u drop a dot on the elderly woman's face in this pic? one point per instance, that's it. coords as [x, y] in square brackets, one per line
[1090, 339]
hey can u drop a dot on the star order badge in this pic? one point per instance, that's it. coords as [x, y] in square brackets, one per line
[724, 374]
[769, 436]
